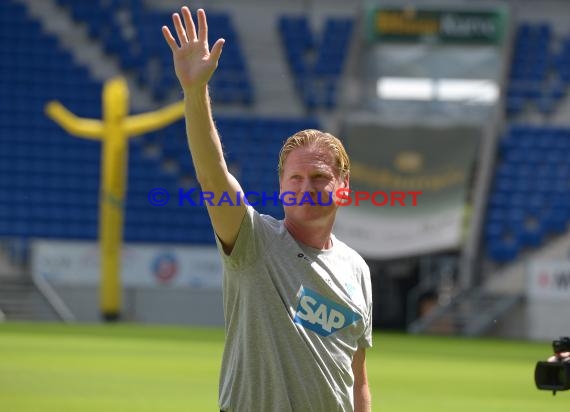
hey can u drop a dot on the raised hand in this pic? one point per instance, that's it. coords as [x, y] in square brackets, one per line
[194, 62]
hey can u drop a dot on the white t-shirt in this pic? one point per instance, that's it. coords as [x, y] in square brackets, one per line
[294, 318]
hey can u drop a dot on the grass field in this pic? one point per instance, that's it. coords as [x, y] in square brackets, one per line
[52, 367]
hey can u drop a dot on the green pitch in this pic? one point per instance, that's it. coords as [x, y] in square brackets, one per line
[84, 368]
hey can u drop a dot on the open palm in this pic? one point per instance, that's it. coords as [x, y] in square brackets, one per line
[194, 63]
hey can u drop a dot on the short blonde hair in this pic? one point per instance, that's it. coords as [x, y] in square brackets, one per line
[316, 138]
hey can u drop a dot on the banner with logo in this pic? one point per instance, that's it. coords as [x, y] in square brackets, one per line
[67, 262]
[417, 178]
[549, 280]
[446, 26]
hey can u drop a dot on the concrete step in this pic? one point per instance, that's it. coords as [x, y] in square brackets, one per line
[469, 314]
[20, 300]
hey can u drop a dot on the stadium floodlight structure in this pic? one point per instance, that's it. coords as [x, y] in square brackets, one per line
[113, 130]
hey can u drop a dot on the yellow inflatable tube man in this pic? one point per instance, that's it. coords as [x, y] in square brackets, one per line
[113, 130]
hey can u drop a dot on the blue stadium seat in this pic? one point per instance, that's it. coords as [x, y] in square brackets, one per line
[316, 81]
[530, 197]
[531, 69]
[502, 252]
[139, 53]
[49, 181]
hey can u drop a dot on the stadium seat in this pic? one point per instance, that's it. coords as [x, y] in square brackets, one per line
[316, 80]
[141, 52]
[502, 252]
[532, 64]
[530, 196]
[50, 181]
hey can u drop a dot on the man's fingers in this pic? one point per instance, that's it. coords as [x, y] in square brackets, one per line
[179, 29]
[216, 51]
[189, 23]
[169, 38]
[202, 26]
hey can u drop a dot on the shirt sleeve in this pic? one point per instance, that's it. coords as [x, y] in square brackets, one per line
[365, 340]
[246, 248]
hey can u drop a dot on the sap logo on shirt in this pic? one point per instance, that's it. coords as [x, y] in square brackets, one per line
[322, 315]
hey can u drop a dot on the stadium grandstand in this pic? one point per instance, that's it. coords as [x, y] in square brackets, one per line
[474, 114]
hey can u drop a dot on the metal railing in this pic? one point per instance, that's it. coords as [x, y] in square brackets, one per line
[51, 296]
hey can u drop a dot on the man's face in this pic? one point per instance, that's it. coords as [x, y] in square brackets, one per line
[309, 177]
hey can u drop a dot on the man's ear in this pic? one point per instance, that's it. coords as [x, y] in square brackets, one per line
[346, 181]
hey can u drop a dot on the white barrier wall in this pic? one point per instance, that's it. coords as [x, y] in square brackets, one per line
[161, 283]
[160, 266]
[197, 307]
[548, 299]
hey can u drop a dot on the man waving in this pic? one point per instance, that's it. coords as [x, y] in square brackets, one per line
[297, 300]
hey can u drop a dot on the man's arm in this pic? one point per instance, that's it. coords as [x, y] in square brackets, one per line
[195, 64]
[362, 400]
